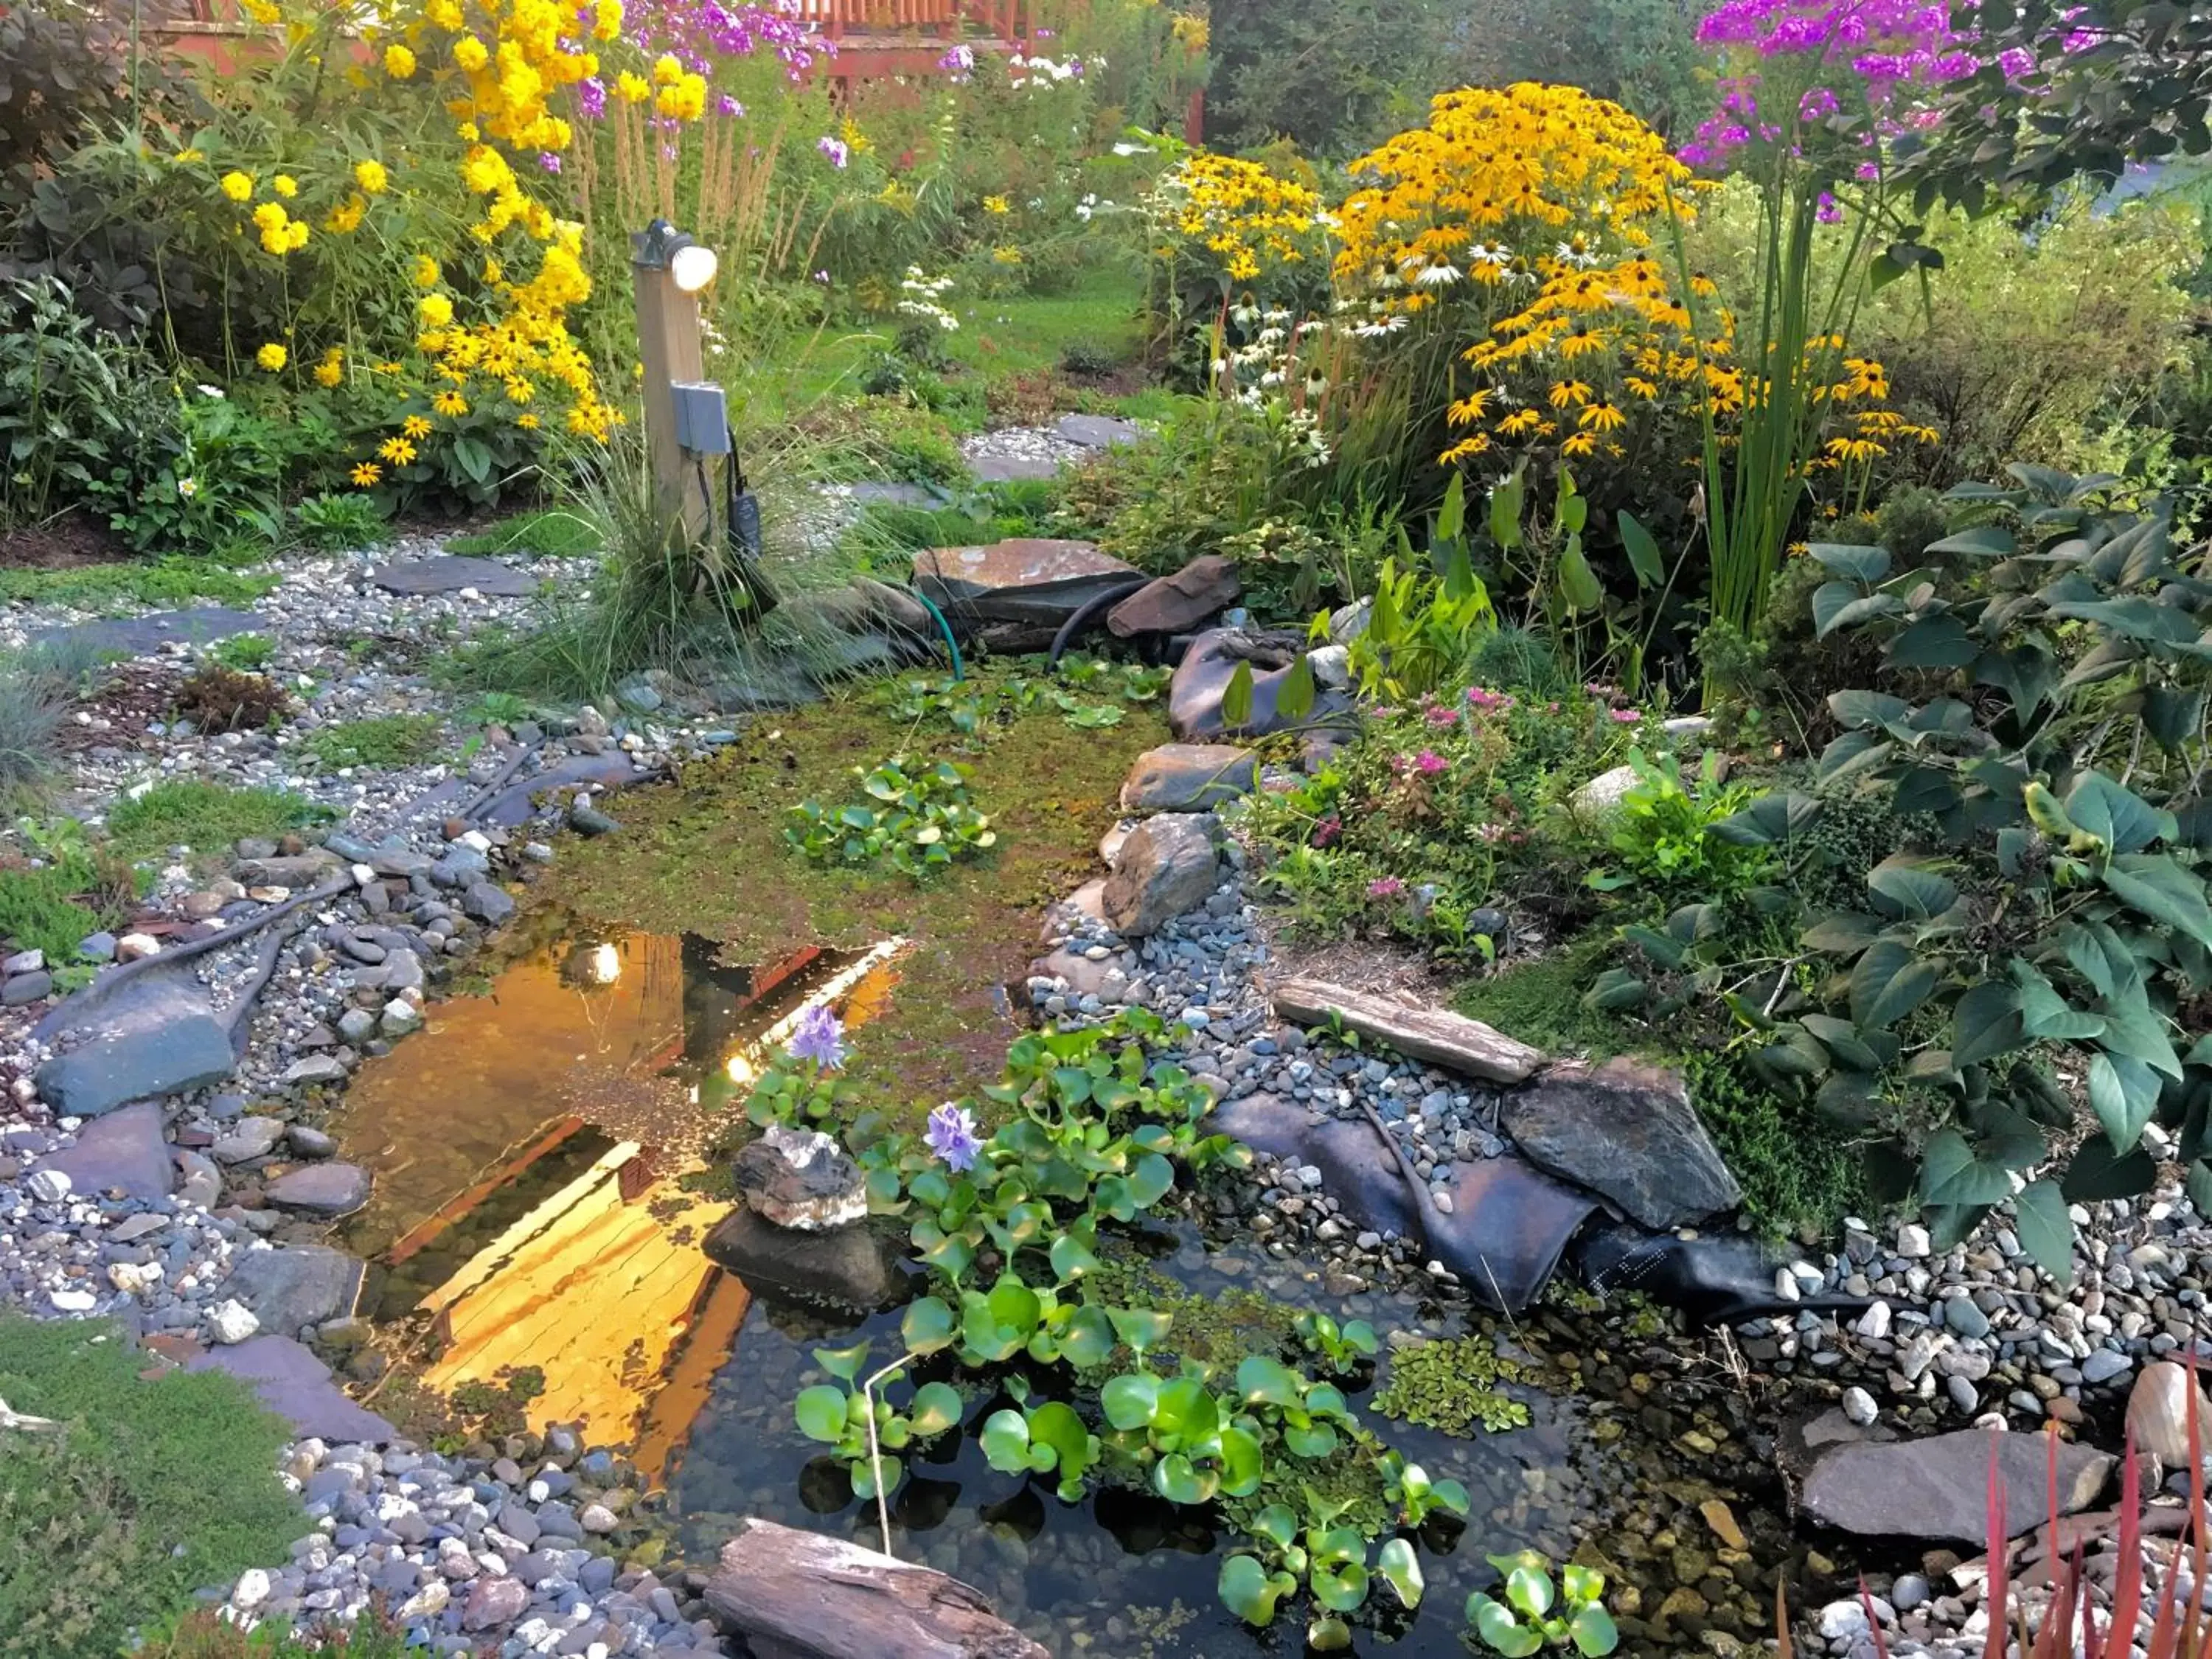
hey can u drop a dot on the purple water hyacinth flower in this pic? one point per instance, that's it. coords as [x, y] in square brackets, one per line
[951, 1135]
[819, 1036]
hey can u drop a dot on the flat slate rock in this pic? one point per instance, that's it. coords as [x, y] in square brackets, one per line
[331, 1190]
[1626, 1132]
[873, 491]
[449, 572]
[1012, 469]
[1098, 431]
[126, 1150]
[1938, 1487]
[298, 1286]
[155, 1034]
[296, 1386]
[1030, 578]
[141, 637]
[513, 806]
[1437, 1035]
[1176, 604]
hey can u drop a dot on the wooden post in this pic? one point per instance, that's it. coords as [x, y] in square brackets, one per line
[670, 347]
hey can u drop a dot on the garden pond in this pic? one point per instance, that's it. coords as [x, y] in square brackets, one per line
[545, 1178]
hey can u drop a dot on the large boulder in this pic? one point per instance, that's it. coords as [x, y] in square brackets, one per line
[1202, 678]
[1629, 1134]
[1938, 1487]
[1206, 587]
[1167, 866]
[155, 1035]
[806, 1596]
[801, 1178]
[847, 1267]
[1189, 777]
[1029, 581]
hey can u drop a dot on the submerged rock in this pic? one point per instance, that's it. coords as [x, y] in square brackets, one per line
[301, 1286]
[849, 1267]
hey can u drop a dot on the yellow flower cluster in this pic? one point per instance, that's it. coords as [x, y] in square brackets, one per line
[1243, 216]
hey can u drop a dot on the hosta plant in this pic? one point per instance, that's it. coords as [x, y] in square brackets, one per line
[2045, 722]
[1530, 1618]
[917, 818]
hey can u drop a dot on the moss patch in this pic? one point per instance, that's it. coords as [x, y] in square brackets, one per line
[204, 817]
[154, 1488]
[1798, 1170]
[707, 855]
[1541, 1002]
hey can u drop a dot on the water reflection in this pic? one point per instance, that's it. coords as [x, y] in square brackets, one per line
[528, 1149]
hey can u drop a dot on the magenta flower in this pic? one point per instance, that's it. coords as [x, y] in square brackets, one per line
[818, 1036]
[958, 61]
[1485, 701]
[1440, 714]
[1326, 831]
[1623, 716]
[1429, 762]
[951, 1135]
[1384, 887]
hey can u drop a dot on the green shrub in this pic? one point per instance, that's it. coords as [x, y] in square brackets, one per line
[153, 1490]
[204, 1634]
[380, 741]
[249, 653]
[52, 908]
[338, 523]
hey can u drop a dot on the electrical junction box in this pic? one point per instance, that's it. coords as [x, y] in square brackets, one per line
[702, 417]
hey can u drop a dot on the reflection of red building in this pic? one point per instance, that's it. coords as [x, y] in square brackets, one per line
[874, 39]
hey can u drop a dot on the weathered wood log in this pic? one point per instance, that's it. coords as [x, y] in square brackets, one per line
[1434, 1034]
[795, 1595]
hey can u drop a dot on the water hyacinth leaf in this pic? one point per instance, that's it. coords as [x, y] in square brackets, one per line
[1360, 1337]
[1241, 1469]
[1338, 1585]
[1451, 1496]
[1867, 565]
[1310, 1441]
[1089, 1339]
[927, 1326]
[1294, 698]
[864, 1476]
[1250, 1591]
[1580, 1585]
[1149, 1180]
[1130, 1401]
[1236, 698]
[2123, 1093]
[1055, 1426]
[1071, 1257]
[1005, 1440]
[1399, 1567]
[821, 1411]
[2045, 1231]
[1642, 549]
[1266, 1382]
[1528, 1588]
[843, 1363]
[1593, 1631]
[1327, 1634]
[1139, 1329]
[1500, 1630]
[1177, 1479]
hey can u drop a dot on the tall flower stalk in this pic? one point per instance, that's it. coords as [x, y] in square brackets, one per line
[1815, 92]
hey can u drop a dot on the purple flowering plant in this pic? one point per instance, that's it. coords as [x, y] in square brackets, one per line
[802, 1081]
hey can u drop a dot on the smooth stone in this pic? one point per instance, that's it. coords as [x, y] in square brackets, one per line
[331, 1190]
[1937, 1487]
[152, 1037]
[1166, 867]
[449, 572]
[1188, 777]
[1027, 580]
[1098, 431]
[124, 1151]
[849, 1267]
[145, 635]
[299, 1286]
[1178, 604]
[296, 1386]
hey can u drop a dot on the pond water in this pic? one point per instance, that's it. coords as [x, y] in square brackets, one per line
[531, 1210]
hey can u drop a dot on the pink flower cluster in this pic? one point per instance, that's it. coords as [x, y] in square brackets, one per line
[1484, 700]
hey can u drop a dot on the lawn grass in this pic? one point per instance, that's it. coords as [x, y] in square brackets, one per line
[155, 1489]
[549, 531]
[204, 817]
[132, 583]
[381, 741]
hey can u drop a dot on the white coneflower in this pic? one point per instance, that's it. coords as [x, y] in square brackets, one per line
[1441, 275]
[1489, 253]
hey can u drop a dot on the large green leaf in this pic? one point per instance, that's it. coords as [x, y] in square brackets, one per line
[1340, 1586]
[1005, 1440]
[1294, 698]
[1888, 983]
[1250, 1591]
[1840, 604]
[1055, 1425]
[1506, 499]
[2098, 1172]
[1986, 1022]
[1987, 541]
[1938, 642]
[1236, 698]
[1088, 1338]
[1866, 565]
[1179, 1480]
[1578, 583]
[1398, 1567]
[936, 1408]
[1642, 549]
[928, 1325]
[1501, 1633]
[2162, 889]
[2045, 1231]
[1859, 710]
[2116, 815]
[844, 1364]
[1130, 1401]
[1263, 1380]
[1950, 1174]
[821, 1413]
[2124, 1093]
[1769, 821]
[1593, 1631]
[1913, 887]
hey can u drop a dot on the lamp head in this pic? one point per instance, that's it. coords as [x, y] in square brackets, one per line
[692, 267]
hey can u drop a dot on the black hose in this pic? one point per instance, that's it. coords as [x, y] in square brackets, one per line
[1089, 609]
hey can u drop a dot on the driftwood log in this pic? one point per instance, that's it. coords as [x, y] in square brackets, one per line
[1433, 1035]
[795, 1595]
